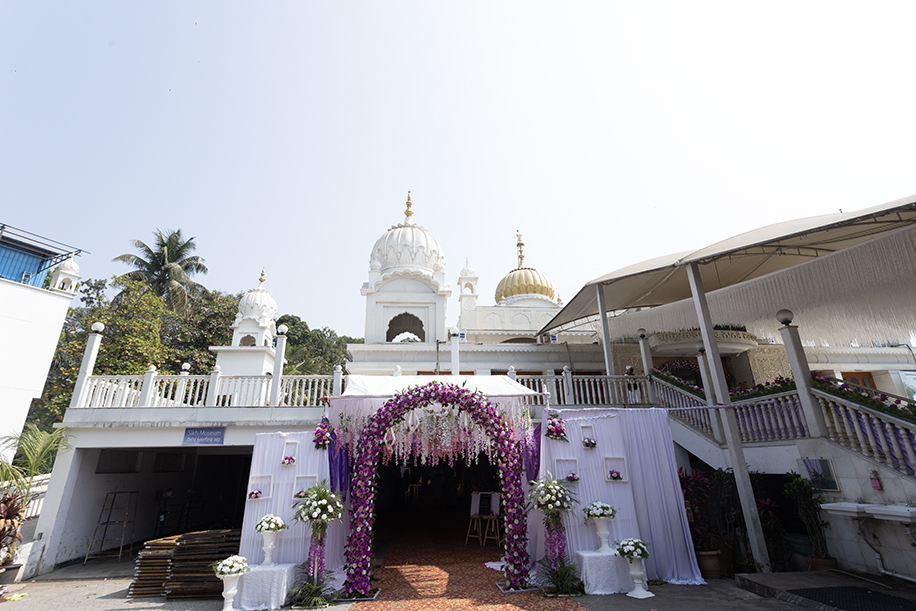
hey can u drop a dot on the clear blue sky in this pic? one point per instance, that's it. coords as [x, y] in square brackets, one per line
[286, 135]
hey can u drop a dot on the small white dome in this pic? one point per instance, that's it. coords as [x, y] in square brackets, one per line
[257, 304]
[70, 266]
[467, 271]
[407, 246]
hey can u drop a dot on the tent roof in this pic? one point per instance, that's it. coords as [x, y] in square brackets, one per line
[743, 257]
[387, 386]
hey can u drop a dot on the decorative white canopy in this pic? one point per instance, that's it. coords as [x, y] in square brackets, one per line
[743, 257]
[387, 386]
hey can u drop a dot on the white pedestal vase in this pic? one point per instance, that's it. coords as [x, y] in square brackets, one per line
[638, 573]
[230, 589]
[601, 526]
[270, 544]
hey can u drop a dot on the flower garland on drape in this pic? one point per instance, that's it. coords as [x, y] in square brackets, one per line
[503, 447]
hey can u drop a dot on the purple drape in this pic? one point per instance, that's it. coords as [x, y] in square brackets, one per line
[338, 467]
[532, 455]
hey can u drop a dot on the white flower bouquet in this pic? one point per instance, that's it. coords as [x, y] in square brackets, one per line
[319, 505]
[270, 522]
[551, 496]
[597, 509]
[632, 549]
[233, 565]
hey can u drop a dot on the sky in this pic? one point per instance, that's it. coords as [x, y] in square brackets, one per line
[285, 135]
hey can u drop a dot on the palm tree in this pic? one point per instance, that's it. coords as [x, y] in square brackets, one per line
[35, 452]
[167, 267]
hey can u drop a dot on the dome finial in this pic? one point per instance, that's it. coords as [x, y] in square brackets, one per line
[408, 213]
[262, 279]
[521, 254]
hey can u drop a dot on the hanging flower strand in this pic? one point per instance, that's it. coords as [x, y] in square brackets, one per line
[318, 507]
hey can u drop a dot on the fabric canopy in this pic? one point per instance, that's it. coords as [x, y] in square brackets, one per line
[387, 386]
[743, 257]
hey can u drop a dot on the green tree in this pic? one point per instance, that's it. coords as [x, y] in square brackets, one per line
[166, 268]
[187, 338]
[314, 351]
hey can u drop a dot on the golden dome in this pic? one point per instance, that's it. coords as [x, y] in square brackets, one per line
[523, 280]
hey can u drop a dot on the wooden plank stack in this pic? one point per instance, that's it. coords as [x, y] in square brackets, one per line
[180, 567]
[190, 574]
[152, 568]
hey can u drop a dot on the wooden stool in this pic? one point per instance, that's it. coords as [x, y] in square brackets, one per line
[491, 529]
[474, 530]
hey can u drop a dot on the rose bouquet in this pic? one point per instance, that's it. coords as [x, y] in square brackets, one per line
[588, 442]
[556, 428]
[322, 438]
[288, 460]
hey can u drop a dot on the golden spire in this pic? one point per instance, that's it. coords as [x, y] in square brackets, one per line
[521, 255]
[262, 275]
[409, 212]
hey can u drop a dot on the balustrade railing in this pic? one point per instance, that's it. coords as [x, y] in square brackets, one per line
[882, 437]
[552, 384]
[771, 418]
[179, 391]
[113, 391]
[243, 391]
[305, 391]
[686, 407]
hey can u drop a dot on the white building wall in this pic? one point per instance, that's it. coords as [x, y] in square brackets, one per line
[30, 324]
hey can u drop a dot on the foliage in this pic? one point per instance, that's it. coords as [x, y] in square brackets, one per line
[187, 338]
[562, 578]
[808, 502]
[310, 592]
[166, 268]
[697, 490]
[35, 453]
[11, 508]
[679, 383]
[313, 351]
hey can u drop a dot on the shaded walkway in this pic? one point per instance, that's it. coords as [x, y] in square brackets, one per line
[427, 566]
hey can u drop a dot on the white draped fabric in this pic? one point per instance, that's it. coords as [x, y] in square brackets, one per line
[265, 588]
[278, 483]
[649, 503]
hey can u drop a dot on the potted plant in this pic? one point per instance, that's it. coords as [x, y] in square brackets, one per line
[10, 520]
[808, 500]
[697, 490]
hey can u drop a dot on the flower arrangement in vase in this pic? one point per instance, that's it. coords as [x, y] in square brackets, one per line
[588, 442]
[632, 549]
[229, 571]
[254, 494]
[270, 523]
[556, 428]
[322, 438]
[318, 507]
[269, 526]
[635, 551]
[600, 513]
[553, 498]
[288, 460]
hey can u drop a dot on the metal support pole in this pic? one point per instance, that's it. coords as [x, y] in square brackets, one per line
[605, 333]
[730, 422]
[646, 355]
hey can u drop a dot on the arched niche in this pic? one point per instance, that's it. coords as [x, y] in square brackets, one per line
[405, 323]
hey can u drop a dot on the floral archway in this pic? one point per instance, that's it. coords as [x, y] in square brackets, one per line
[506, 450]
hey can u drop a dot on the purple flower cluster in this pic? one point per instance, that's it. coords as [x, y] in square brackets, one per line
[505, 449]
[315, 564]
[554, 543]
[322, 438]
[254, 494]
[556, 428]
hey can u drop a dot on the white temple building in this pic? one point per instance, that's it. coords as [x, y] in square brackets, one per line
[188, 446]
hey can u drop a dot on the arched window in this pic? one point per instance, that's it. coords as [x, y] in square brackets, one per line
[405, 323]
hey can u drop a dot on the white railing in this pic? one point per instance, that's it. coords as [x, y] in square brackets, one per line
[877, 435]
[686, 407]
[544, 384]
[243, 391]
[771, 418]
[113, 391]
[305, 391]
[179, 391]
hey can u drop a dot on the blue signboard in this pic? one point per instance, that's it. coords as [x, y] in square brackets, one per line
[212, 436]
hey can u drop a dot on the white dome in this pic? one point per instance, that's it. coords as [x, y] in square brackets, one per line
[257, 304]
[70, 266]
[407, 246]
[467, 271]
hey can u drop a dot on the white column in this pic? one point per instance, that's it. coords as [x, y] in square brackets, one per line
[511, 372]
[88, 365]
[814, 416]
[276, 380]
[730, 424]
[338, 380]
[213, 388]
[646, 355]
[148, 388]
[605, 332]
[456, 359]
